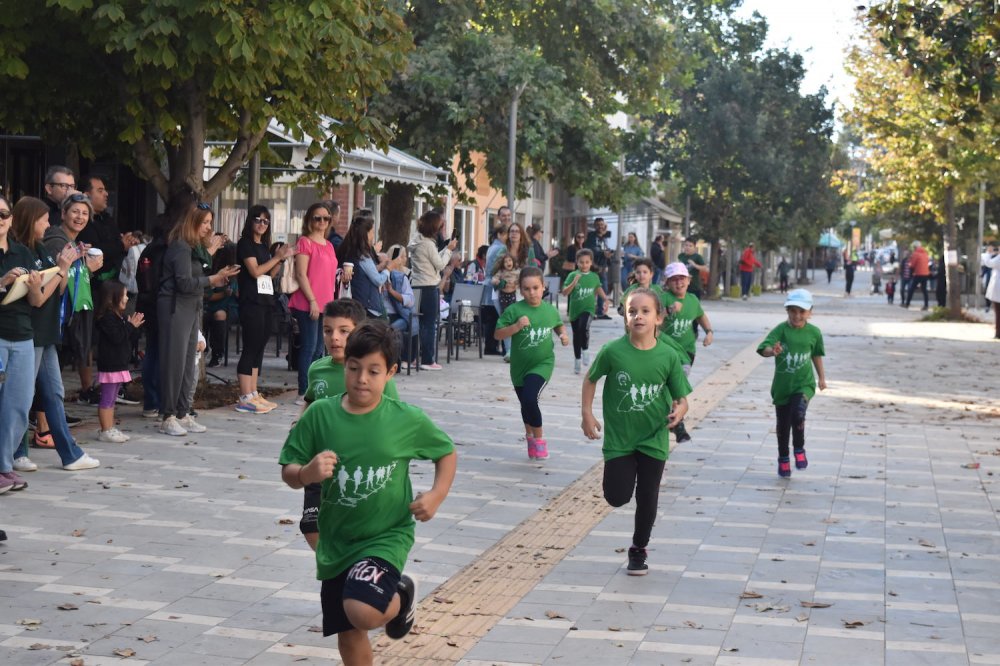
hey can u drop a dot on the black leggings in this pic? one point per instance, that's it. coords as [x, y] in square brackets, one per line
[642, 473]
[528, 394]
[581, 333]
[791, 418]
[255, 321]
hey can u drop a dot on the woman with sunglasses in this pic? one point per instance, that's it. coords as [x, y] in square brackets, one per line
[256, 289]
[183, 280]
[316, 272]
[17, 348]
[30, 222]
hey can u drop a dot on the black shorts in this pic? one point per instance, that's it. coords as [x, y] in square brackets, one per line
[372, 581]
[312, 495]
[80, 335]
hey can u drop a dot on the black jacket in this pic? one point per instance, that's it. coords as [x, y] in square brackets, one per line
[115, 337]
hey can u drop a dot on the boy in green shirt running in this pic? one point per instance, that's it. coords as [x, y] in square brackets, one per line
[644, 394]
[582, 288]
[793, 344]
[326, 379]
[359, 446]
[682, 311]
[529, 324]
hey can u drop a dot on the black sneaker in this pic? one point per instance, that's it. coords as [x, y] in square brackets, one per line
[89, 396]
[637, 562]
[122, 400]
[400, 625]
[72, 421]
[681, 433]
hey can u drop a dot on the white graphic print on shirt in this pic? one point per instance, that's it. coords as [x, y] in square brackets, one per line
[362, 484]
[534, 336]
[794, 362]
[635, 398]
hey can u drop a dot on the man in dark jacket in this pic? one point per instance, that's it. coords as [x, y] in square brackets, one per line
[102, 232]
[597, 242]
[59, 182]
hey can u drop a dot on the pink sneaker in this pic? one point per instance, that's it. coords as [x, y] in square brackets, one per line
[531, 447]
[541, 449]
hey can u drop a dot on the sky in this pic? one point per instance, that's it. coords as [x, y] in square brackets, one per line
[819, 30]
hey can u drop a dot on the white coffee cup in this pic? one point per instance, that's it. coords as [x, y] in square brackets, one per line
[95, 252]
[348, 270]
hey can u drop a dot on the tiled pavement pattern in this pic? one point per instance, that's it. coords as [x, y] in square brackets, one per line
[177, 548]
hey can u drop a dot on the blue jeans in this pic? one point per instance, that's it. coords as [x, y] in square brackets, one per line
[311, 337]
[18, 359]
[50, 393]
[430, 313]
[746, 279]
[151, 371]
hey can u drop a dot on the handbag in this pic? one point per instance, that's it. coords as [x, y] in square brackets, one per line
[288, 282]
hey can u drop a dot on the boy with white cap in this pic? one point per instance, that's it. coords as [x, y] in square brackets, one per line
[793, 344]
[681, 309]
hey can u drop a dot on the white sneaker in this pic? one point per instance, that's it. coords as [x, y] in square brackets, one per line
[191, 425]
[171, 426]
[112, 435]
[83, 462]
[586, 358]
[576, 366]
[150, 413]
[300, 400]
[24, 464]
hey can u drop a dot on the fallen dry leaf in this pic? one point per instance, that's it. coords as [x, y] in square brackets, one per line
[853, 624]
[29, 623]
[553, 615]
[749, 594]
[39, 646]
[814, 604]
[76, 662]
[971, 465]
[148, 639]
[316, 630]
[124, 652]
[67, 607]
[614, 628]
[442, 600]
[801, 617]
[78, 533]
[452, 643]
[285, 521]
[830, 521]
[927, 544]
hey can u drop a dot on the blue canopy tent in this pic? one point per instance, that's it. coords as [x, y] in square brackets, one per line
[829, 240]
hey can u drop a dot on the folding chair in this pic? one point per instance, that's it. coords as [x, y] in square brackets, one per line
[464, 299]
[414, 331]
[552, 284]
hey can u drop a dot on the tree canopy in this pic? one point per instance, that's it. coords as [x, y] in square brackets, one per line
[152, 80]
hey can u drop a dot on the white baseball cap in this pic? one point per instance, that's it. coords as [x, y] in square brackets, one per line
[675, 269]
[799, 298]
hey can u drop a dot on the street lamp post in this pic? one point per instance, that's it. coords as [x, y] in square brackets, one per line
[512, 145]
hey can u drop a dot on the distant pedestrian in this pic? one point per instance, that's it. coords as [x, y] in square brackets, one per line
[919, 263]
[631, 251]
[529, 324]
[644, 391]
[598, 242]
[784, 268]
[850, 264]
[748, 261]
[116, 335]
[793, 345]
[992, 261]
[831, 266]
[659, 258]
[582, 287]
[877, 271]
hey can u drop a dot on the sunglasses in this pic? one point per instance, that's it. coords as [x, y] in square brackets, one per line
[262, 220]
[5, 214]
[322, 218]
[204, 206]
[78, 198]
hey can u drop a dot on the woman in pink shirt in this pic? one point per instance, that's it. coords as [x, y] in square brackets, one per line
[316, 272]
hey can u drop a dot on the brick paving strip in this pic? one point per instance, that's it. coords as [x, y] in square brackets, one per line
[463, 609]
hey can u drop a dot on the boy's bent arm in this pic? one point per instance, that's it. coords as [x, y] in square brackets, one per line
[425, 505]
[707, 325]
[678, 412]
[820, 373]
[319, 469]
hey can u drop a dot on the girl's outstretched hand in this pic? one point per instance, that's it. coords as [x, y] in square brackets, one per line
[591, 427]
[674, 418]
[136, 319]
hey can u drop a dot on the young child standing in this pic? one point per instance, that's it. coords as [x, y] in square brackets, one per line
[644, 394]
[116, 336]
[326, 379]
[530, 324]
[682, 310]
[793, 344]
[367, 527]
[583, 287]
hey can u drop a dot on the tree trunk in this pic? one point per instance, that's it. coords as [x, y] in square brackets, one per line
[951, 234]
[714, 264]
[397, 211]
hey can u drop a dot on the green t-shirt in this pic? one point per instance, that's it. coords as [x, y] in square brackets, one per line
[326, 379]
[364, 511]
[583, 298]
[793, 370]
[678, 326]
[639, 392]
[45, 320]
[697, 260]
[532, 349]
[655, 288]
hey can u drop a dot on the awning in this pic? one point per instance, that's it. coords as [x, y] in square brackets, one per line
[663, 210]
[829, 240]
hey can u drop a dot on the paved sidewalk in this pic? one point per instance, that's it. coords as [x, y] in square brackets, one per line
[186, 551]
